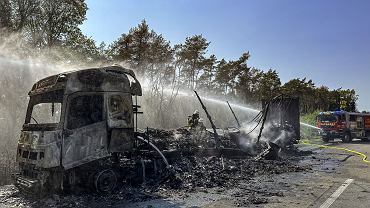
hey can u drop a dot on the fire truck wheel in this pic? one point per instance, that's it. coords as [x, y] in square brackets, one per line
[105, 181]
[347, 138]
[324, 139]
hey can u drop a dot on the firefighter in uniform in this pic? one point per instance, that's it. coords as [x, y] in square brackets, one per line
[193, 120]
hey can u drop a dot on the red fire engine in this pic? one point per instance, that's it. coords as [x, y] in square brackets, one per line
[344, 125]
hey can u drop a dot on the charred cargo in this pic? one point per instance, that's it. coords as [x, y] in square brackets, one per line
[283, 116]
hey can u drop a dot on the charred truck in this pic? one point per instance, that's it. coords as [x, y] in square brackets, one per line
[282, 114]
[344, 125]
[78, 129]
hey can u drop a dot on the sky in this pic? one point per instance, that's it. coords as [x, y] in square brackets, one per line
[326, 41]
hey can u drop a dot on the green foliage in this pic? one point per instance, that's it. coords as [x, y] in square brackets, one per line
[47, 23]
[307, 132]
[5, 16]
[144, 50]
[47, 26]
[310, 118]
[191, 57]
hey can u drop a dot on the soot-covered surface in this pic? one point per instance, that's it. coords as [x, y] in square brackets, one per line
[196, 180]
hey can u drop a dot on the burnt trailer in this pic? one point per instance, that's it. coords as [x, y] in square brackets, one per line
[79, 127]
[283, 116]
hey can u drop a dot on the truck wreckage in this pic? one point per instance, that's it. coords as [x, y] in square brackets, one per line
[81, 130]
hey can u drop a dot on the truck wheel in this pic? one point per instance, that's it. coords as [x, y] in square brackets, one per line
[324, 139]
[347, 138]
[105, 181]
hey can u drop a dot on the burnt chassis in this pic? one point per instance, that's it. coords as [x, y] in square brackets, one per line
[142, 165]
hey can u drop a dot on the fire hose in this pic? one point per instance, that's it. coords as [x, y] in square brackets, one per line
[156, 149]
[364, 157]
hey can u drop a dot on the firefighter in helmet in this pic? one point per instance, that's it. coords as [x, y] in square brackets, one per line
[193, 120]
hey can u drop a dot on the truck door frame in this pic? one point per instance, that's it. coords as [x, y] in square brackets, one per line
[68, 132]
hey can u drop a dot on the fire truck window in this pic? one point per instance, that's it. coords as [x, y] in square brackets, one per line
[352, 118]
[341, 118]
[85, 110]
[327, 118]
[119, 108]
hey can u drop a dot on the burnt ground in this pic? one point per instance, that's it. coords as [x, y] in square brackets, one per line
[238, 183]
[199, 181]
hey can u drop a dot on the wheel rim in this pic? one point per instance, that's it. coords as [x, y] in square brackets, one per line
[105, 181]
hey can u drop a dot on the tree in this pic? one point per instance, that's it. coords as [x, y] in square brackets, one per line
[191, 55]
[80, 48]
[325, 99]
[43, 23]
[134, 47]
[348, 99]
[206, 79]
[144, 50]
[5, 16]
[248, 85]
[305, 90]
[269, 85]
[223, 76]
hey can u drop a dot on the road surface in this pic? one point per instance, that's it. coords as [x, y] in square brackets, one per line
[343, 182]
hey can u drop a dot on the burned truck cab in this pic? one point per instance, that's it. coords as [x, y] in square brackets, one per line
[74, 119]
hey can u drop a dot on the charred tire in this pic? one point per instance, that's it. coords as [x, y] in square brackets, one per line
[105, 181]
[347, 138]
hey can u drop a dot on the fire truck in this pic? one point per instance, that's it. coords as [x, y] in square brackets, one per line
[344, 125]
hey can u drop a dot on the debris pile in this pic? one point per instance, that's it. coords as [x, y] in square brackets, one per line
[187, 139]
[222, 172]
[193, 170]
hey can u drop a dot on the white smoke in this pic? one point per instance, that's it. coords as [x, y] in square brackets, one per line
[270, 133]
[20, 68]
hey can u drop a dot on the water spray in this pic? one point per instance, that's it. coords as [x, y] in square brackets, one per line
[233, 105]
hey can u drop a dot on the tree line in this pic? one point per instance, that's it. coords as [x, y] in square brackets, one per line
[53, 26]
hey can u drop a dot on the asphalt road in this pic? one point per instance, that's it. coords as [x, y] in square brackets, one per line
[340, 179]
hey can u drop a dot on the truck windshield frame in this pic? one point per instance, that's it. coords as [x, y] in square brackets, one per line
[50, 97]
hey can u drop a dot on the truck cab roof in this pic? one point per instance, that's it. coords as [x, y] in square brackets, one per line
[109, 78]
[341, 112]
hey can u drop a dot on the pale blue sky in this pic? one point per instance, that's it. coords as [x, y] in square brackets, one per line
[327, 41]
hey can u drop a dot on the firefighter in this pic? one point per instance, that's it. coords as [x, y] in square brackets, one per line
[201, 124]
[193, 120]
